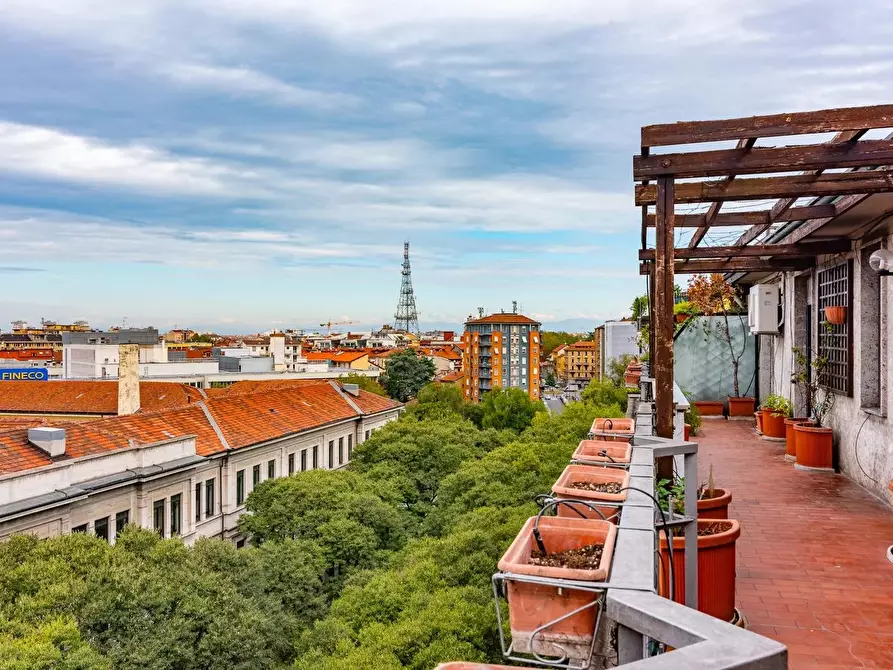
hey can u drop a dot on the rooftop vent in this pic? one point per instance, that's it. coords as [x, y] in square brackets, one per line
[50, 440]
[353, 389]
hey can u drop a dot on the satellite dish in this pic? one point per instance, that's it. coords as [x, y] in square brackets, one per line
[881, 261]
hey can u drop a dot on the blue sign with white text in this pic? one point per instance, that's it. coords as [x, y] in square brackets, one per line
[24, 375]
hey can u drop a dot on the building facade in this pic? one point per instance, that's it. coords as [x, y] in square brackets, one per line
[615, 340]
[581, 364]
[501, 351]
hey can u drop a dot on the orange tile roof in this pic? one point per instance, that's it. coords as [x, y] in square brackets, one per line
[336, 356]
[89, 397]
[583, 344]
[452, 377]
[244, 419]
[504, 318]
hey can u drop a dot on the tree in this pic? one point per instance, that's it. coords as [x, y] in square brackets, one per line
[510, 409]
[365, 383]
[550, 378]
[552, 339]
[605, 393]
[639, 307]
[406, 373]
[202, 337]
[617, 369]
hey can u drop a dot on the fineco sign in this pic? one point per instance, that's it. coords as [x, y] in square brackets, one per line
[26, 375]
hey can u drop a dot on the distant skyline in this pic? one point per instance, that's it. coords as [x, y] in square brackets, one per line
[259, 165]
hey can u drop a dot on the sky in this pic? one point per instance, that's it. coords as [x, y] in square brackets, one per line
[240, 166]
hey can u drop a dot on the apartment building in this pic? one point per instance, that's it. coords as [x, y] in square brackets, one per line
[184, 471]
[581, 362]
[501, 351]
[615, 340]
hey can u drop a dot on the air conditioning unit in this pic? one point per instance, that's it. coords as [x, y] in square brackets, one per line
[762, 309]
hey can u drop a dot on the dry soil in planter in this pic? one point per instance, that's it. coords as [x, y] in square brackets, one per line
[605, 487]
[584, 558]
[714, 528]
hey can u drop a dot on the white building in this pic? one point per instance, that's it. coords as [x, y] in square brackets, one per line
[615, 340]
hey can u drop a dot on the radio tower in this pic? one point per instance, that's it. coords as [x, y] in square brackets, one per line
[406, 318]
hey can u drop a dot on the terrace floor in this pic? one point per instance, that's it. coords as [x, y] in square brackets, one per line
[812, 566]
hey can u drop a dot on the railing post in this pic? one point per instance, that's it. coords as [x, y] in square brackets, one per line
[691, 530]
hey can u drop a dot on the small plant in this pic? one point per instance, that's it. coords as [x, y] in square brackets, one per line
[692, 415]
[814, 387]
[778, 404]
[675, 489]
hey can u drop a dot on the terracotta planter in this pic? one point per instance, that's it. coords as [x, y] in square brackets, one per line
[716, 507]
[790, 447]
[716, 570]
[773, 424]
[814, 446]
[680, 318]
[709, 407]
[741, 406]
[632, 378]
[835, 314]
[462, 665]
[686, 431]
[598, 451]
[533, 605]
[613, 430]
[563, 490]
[759, 417]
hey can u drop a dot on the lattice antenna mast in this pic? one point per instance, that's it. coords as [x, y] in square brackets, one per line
[407, 317]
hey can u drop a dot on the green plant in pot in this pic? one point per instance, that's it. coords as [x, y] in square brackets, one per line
[774, 411]
[813, 441]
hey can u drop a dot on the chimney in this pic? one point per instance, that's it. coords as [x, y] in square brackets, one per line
[50, 440]
[277, 349]
[353, 389]
[128, 379]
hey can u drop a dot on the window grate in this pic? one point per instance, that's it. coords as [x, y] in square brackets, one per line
[835, 341]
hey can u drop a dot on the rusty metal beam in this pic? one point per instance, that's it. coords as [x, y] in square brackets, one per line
[771, 125]
[796, 186]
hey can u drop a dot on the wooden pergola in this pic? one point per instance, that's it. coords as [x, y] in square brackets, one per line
[812, 183]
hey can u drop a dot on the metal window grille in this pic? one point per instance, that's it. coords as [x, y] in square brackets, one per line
[835, 341]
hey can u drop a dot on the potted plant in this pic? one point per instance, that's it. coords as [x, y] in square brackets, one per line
[813, 442]
[790, 437]
[774, 411]
[713, 503]
[692, 419]
[599, 451]
[572, 549]
[713, 295]
[595, 484]
[835, 314]
[683, 310]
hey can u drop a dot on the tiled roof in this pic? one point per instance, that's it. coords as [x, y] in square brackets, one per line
[452, 377]
[256, 385]
[243, 420]
[583, 344]
[504, 318]
[89, 397]
[336, 356]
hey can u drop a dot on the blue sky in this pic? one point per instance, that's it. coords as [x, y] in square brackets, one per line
[246, 165]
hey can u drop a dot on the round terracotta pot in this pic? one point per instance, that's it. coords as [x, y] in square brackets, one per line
[716, 507]
[835, 314]
[814, 446]
[686, 432]
[533, 605]
[759, 417]
[716, 570]
[741, 406]
[790, 447]
[709, 407]
[773, 423]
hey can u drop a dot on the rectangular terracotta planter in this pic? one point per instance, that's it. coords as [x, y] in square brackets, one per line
[743, 406]
[613, 430]
[534, 605]
[592, 450]
[709, 407]
[563, 490]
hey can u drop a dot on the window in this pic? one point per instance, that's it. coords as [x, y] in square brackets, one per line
[240, 544]
[255, 476]
[80, 529]
[209, 498]
[349, 446]
[291, 464]
[198, 501]
[175, 514]
[835, 342]
[367, 432]
[315, 456]
[303, 460]
[240, 487]
[271, 469]
[101, 528]
[121, 520]
[158, 516]
[331, 452]
[340, 450]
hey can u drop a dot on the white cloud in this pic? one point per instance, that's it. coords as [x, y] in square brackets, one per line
[245, 82]
[46, 153]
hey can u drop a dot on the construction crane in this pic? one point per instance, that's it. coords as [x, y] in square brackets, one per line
[329, 324]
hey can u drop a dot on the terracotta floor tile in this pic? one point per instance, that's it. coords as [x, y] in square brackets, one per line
[812, 569]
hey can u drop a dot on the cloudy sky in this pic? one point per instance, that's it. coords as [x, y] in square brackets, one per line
[242, 165]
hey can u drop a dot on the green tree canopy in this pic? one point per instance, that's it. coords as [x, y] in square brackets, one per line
[406, 373]
[552, 339]
[364, 382]
[510, 409]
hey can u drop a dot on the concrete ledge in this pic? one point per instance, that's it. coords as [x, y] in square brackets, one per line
[807, 468]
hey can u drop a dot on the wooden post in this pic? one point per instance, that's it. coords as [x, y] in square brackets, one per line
[663, 319]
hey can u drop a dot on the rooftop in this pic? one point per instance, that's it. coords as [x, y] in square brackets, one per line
[503, 317]
[89, 397]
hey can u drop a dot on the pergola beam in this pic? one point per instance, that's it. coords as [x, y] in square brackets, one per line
[795, 186]
[762, 160]
[737, 265]
[771, 125]
[729, 219]
[802, 250]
